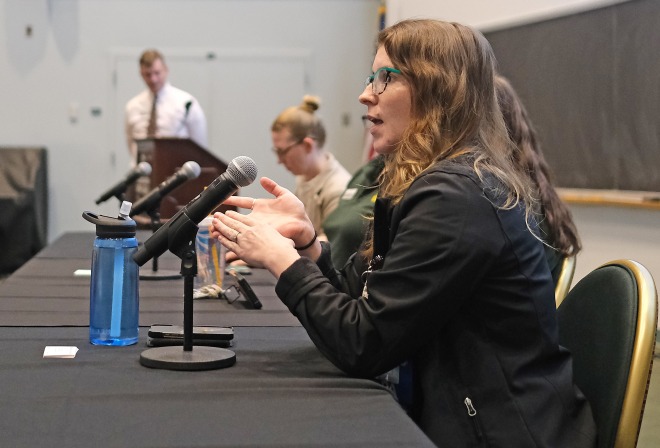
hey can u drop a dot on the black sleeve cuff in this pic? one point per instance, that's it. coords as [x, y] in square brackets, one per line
[304, 275]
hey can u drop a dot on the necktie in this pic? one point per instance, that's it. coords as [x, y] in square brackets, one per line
[151, 128]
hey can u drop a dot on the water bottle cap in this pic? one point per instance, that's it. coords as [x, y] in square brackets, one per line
[109, 227]
[125, 209]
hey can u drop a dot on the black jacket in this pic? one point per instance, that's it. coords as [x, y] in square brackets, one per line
[465, 293]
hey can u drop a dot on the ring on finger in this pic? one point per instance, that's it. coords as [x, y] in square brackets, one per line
[236, 235]
[254, 201]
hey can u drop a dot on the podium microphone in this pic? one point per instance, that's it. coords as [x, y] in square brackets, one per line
[143, 169]
[189, 170]
[185, 116]
[179, 230]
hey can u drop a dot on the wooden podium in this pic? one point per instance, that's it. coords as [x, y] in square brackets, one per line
[166, 156]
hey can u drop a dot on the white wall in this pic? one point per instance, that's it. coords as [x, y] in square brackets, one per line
[65, 68]
[488, 15]
[611, 233]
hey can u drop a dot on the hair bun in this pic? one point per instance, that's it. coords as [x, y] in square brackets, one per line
[310, 103]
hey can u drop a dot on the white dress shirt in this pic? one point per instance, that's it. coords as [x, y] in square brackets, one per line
[178, 115]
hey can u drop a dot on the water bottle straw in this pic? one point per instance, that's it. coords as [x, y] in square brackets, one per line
[118, 281]
[216, 264]
[117, 294]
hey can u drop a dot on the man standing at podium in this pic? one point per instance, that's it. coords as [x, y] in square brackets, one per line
[162, 110]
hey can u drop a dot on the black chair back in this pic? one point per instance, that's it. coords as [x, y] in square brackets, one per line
[608, 322]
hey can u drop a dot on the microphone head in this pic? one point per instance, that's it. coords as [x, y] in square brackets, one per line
[191, 169]
[144, 168]
[242, 171]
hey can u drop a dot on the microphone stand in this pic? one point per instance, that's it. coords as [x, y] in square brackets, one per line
[181, 242]
[155, 274]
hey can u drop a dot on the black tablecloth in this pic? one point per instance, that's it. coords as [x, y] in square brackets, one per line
[45, 292]
[281, 392]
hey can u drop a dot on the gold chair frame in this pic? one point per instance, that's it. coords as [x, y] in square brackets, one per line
[627, 407]
[641, 363]
[565, 279]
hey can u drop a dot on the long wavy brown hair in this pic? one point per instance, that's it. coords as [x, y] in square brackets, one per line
[450, 70]
[563, 234]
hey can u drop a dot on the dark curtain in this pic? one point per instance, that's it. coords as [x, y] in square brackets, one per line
[591, 83]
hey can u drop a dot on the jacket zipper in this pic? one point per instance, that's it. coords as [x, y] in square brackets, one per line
[472, 413]
[375, 263]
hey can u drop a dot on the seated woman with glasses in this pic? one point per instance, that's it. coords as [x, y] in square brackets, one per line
[298, 138]
[454, 279]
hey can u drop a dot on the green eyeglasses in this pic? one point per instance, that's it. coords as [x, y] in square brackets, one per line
[380, 79]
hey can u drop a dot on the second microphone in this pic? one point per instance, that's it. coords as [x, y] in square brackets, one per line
[150, 202]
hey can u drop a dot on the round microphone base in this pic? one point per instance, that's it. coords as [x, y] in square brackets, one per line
[175, 358]
[161, 274]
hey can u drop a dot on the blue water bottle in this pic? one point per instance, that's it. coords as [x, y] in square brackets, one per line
[114, 299]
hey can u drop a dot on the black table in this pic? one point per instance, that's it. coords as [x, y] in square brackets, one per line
[45, 292]
[281, 392]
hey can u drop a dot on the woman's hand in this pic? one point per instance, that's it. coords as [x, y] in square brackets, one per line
[257, 243]
[268, 235]
[284, 212]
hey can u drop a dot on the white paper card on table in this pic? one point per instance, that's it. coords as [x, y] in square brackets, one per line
[53, 351]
